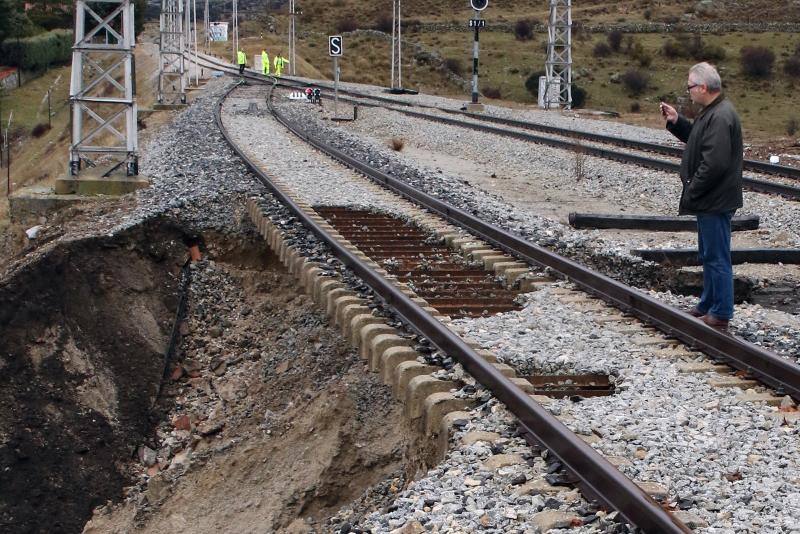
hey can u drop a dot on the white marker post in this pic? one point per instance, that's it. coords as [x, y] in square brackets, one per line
[335, 49]
[477, 23]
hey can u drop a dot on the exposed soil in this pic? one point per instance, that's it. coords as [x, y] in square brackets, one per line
[271, 422]
[84, 333]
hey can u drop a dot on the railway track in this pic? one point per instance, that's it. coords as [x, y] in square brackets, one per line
[598, 476]
[789, 191]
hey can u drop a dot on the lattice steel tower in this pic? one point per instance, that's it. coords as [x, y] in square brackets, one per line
[102, 87]
[558, 91]
[172, 64]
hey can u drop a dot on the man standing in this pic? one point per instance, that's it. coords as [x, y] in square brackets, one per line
[241, 59]
[280, 62]
[265, 62]
[711, 172]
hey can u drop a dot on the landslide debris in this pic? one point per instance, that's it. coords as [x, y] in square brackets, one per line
[84, 329]
[270, 422]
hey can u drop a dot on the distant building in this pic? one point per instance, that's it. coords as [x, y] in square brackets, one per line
[9, 77]
[48, 6]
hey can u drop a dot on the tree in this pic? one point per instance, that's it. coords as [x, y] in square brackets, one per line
[13, 21]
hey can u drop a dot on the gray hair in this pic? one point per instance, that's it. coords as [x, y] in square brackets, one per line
[706, 74]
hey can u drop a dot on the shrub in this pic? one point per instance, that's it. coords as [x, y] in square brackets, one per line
[347, 23]
[383, 23]
[636, 107]
[601, 50]
[523, 30]
[713, 53]
[638, 53]
[792, 125]
[492, 92]
[411, 25]
[648, 14]
[38, 52]
[51, 19]
[635, 81]
[40, 129]
[757, 61]
[532, 83]
[397, 143]
[579, 95]
[454, 65]
[672, 49]
[615, 40]
[791, 67]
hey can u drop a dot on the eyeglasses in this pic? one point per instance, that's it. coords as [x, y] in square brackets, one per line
[692, 86]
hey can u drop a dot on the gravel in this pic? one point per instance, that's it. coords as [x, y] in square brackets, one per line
[716, 454]
[725, 460]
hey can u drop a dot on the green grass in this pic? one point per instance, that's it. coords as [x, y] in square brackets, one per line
[29, 104]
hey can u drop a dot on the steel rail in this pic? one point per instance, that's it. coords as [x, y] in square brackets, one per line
[667, 150]
[601, 478]
[753, 184]
[770, 368]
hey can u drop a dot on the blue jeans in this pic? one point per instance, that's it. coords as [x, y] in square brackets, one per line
[714, 247]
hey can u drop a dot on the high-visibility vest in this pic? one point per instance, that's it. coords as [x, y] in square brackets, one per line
[241, 57]
[265, 62]
[280, 62]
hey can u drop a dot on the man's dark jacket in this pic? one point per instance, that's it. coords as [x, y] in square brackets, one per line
[711, 168]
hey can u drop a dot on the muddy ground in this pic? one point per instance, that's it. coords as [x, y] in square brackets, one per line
[267, 421]
[84, 332]
[270, 421]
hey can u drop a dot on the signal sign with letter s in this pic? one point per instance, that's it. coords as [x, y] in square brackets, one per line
[335, 45]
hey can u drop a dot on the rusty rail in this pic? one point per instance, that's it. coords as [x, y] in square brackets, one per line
[597, 475]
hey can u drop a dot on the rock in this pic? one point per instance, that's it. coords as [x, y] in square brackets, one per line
[519, 480]
[690, 520]
[538, 487]
[471, 482]
[787, 404]
[157, 489]
[218, 366]
[283, 367]
[502, 460]
[209, 428]
[177, 373]
[33, 233]
[549, 520]
[147, 456]
[479, 435]
[215, 332]
[182, 422]
[181, 459]
[412, 527]
[192, 368]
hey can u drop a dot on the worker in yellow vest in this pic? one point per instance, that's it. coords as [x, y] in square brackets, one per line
[265, 62]
[280, 62]
[241, 59]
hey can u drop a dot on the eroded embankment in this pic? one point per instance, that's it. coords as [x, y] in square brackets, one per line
[84, 330]
[270, 421]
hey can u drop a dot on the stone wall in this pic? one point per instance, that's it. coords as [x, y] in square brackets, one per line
[632, 27]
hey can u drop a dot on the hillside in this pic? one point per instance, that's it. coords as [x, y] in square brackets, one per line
[437, 53]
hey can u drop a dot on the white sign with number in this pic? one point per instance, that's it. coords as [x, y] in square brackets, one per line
[335, 46]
